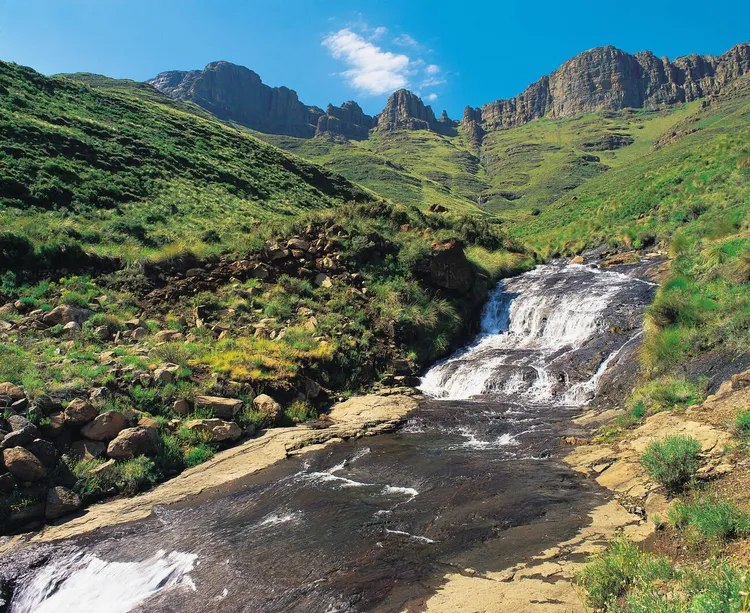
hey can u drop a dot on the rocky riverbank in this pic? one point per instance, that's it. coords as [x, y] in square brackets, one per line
[358, 416]
[546, 582]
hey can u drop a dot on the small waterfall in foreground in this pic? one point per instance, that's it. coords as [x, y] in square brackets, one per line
[539, 336]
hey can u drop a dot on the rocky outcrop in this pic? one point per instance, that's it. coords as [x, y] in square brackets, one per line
[406, 110]
[235, 93]
[609, 79]
[449, 268]
[347, 120]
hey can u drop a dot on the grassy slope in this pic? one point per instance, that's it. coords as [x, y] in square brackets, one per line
[108, 166]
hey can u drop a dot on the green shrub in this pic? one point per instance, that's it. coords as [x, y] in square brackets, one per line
[610, 575]
[197, 455]
[710, 518]
[299, 411]
[672, 461]
[742, 423]
[74, 298]
[128, 477]
[667, 393]
[169, 457]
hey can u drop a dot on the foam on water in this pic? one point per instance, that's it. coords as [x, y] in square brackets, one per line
[67, 585]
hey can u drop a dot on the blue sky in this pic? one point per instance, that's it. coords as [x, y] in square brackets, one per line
[451, 53]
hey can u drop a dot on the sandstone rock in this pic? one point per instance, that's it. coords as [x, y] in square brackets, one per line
[163, 336]
[148, 422]
[87, 450]
[449, 268]
[61, 501]
[269, 409]
[298, 244]
[103, 468]
[14, 392]
[166, 373]
[80, 412]
[45, 451]
[23, 464]
[105, 426]
[348, 120]
[18, 422]
[224, 408]
[132, 442]
[139, 333]
[19, 438]
[217, 430]
[65, 314]
[406, 110]
[577, 260]
[72, 328]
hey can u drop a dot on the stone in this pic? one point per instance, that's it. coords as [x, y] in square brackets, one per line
[132, 442]
[72, 328]
[148, 422]
[45, 451]
[449, 268]
[7, 483]
[223, 408]
[14, 392]
[347, 120]
[61, 501]
[23, 464]
[18, 422]
[65, 314]
[163, 336]
[47, 405]
[103, 468]
[181, 407]
[53, 427]
[406, 110]
[166, 373]
[139, 333]
[99, 396]
[269, 409]
[216, 430]
[105, 426]
[298, 244]
[80, 412]
[323, 280]
[88, 450]
[18, 438]
[577, 260]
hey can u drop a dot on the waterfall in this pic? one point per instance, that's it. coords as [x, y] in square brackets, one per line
[532, 329]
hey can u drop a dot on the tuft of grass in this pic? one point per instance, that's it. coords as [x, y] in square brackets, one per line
[198, 454]
[667, 393]
[672, 461]
[710, 518]
[742, 423]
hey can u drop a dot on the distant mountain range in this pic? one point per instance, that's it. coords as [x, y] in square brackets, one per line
[601, 79]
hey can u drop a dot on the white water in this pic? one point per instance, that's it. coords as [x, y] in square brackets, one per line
[530, 322]
[84, 582]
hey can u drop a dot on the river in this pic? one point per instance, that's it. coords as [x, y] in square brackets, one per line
[473, 480]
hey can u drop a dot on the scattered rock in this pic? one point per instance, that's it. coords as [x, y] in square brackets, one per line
[323, 280]
[164, 336]
[72, 328]
[61, 501]
[54, 425]
[181, 407]
[269, 409]
[23, 464]
[217, 430]
[139, 333]
[65, 314]
[223, 408]
[14, 392]
[105, 426]
[132, 442]
[80, 412]
[577, 260]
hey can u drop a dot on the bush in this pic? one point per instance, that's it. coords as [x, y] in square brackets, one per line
[742, 423]
[710, 519]
[299, 411]
[609, 576]
[197, 455]
[667, 393]
[127, 477]
[673, 461]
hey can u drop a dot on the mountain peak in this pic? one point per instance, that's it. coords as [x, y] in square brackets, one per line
[405, 109]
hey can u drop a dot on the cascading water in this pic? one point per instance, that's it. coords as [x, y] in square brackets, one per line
[533, 329]
[364, 525]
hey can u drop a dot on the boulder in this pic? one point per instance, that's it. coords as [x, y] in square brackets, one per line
[139, 333]
[98, 396]
[80, 412]
[105, 427]
[7, 483]
[14, 392]
[18, 422]
[166, 373]
[54, 425]
[87, 450]
[449, 268]
[298, 244]
[577, 260]
[65, 314]
[45, 451]
[269, 409]
[163, 336]
[23, 464]
[216, 430]
[47, 405]
[19, 438]
[72, 328]
[223, 408]
[323, 280]
[61, 501]
[132, 442]
[181, 407]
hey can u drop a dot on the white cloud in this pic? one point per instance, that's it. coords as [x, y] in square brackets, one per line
[432, 69]
[431, 97]
[372, 70]
[404, 40]
[431, 82]
[379, 32]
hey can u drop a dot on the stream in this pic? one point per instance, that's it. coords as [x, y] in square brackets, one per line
[473, 480]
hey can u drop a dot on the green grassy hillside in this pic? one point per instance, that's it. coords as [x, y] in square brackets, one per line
[123, 170]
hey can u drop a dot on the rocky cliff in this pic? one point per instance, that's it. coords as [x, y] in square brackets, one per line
[347, 120]
[406, 110]
[607, 78]
[236, 93]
